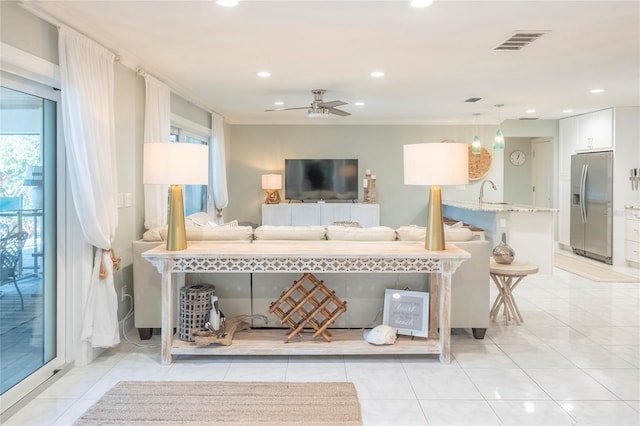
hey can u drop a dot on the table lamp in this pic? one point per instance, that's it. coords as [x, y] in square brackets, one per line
[435, 164]
[272, 183]
[176, 164]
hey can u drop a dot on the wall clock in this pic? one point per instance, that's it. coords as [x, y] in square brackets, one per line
[517, 158]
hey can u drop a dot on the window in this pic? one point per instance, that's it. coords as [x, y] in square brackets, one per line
[195, 196]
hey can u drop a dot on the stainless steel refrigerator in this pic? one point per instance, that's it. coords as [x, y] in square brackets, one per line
[591, 205]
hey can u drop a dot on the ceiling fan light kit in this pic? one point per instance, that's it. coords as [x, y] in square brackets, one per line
[318, 112]
[319, 108]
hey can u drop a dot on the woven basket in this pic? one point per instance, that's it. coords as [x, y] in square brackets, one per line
[195, 305]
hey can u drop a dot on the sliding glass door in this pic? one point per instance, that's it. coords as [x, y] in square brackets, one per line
[29, 336]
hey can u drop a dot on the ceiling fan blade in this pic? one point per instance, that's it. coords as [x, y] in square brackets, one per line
[285, 109]
[332, 104]
[338, 112]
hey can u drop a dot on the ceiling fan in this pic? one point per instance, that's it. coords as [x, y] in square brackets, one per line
[318, 107]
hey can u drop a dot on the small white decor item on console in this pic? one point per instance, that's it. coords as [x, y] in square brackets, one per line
[369, 187]
[381, 335]
[215, 316]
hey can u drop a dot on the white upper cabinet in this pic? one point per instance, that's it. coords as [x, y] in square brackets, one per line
[595, 131]
[588, 132]
[568, 134]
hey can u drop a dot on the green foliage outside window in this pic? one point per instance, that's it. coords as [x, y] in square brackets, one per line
[18, 152]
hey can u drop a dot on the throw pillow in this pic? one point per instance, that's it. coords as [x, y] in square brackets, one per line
[418, 233]
[198, 219]
[347, 224]
[374, 233]
[272, 232]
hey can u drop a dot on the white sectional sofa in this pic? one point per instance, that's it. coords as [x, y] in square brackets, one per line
[244, 293]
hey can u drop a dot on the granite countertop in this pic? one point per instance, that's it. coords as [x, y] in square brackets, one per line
[493, 206]
[632, 207]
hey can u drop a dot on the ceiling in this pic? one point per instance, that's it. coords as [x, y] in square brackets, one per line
[433, 58]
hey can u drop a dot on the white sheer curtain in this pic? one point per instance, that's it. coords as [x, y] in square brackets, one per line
[217, 197]
[157, 128]
[87, 89]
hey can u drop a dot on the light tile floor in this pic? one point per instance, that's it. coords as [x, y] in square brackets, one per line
[575, 360]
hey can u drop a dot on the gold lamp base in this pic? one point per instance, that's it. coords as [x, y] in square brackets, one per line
[434, 240]
[273, 197]
[176, 232]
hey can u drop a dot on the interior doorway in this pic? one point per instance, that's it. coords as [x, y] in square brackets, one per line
[541, 173]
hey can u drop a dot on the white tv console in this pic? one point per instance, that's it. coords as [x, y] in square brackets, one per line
[322, 214]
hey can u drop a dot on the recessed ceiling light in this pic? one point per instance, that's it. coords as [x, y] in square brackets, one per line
[264, 74]
[421, 3]
[530, 111]
[279, 103]
[377, 74]
[597, 90]
[359, 103]
[567, 111]
[227, 3]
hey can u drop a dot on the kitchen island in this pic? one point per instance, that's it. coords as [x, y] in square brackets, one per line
[529, 229]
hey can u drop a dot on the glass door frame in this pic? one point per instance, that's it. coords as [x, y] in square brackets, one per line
[48, 370]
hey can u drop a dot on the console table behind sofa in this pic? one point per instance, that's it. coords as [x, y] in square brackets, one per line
[252, 293]
[314, 257]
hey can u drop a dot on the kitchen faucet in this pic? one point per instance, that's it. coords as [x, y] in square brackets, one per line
[493, 185]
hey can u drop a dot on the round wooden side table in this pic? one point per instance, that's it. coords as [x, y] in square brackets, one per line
[506, 278]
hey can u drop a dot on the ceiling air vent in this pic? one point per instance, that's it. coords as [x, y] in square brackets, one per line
[520, 39]
[473, 100]
[528, 118]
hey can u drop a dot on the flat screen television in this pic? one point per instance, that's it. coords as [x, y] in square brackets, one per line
[323, 179]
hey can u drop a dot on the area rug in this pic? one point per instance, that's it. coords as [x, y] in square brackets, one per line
[590, 271]
[227, 403]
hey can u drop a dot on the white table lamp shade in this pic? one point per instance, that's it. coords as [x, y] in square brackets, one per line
[271, 181]
[176, 163]
[436, 164]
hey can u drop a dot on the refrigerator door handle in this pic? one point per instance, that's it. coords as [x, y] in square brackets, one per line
[583, 192]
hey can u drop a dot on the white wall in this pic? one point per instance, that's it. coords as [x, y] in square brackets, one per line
[626, 156]
[129, 118]
[21, 29]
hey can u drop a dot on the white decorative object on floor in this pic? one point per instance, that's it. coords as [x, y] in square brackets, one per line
[381, 335]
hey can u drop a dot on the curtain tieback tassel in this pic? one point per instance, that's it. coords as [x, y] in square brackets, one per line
[116, 264]
[219, 212]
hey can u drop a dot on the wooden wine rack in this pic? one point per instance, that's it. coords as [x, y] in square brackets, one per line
[308, 303]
